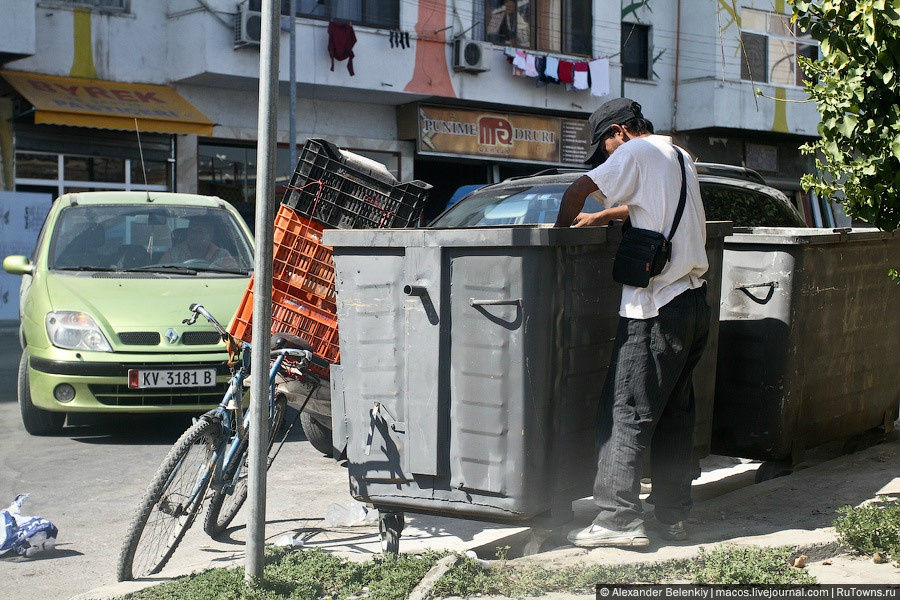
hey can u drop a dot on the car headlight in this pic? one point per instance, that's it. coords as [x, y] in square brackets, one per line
[75, 331]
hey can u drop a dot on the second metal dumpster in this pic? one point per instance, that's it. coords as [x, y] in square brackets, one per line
[809, 340]
[473, 362]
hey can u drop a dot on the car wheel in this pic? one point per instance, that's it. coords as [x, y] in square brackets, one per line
[36, 420]
[317, 434]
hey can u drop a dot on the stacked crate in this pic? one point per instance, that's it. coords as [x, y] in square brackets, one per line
[329, 189]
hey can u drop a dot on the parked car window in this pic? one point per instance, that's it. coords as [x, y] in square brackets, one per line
[135, 237]
[748, 208]
[509, 205]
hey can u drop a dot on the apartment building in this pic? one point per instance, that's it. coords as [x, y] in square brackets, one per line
[439, 89]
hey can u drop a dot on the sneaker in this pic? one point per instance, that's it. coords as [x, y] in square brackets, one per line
[594, 536]
[674, 532]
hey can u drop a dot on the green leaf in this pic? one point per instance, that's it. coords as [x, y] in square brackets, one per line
[895, 148]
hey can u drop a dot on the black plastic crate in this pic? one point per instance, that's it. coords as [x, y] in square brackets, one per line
[335, 190]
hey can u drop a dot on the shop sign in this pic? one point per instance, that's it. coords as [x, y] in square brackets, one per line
[501, 136]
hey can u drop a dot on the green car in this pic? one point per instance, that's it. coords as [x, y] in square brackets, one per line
[103, 298]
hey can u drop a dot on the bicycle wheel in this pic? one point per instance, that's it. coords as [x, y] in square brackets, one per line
[224, 505]
[172, 502]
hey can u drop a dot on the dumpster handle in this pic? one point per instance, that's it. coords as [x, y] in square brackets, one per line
[511, 302]
[772, 285]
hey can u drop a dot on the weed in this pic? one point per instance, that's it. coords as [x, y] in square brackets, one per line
[747, 564]
[872, 528]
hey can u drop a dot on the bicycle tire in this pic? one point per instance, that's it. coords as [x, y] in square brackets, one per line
[204, 435]
[224, 507]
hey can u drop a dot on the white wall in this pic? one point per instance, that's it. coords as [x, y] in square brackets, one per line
[18, 27]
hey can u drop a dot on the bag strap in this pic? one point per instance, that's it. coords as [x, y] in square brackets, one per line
[682, 197]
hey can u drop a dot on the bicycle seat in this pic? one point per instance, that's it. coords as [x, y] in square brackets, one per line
[282, 340]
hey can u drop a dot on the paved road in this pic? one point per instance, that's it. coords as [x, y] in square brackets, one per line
[89, 480]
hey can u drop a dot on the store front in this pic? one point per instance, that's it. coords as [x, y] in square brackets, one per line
[74, 135]
[463, 146]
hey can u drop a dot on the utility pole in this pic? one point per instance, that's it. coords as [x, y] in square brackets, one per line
[292, 121]
[262, 289]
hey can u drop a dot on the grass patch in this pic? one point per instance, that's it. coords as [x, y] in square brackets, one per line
[871, 528]
[314, 574]
[748, 564]
[304, 574]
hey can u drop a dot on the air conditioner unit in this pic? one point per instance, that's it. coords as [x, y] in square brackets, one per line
[468, 55]
[247, 26]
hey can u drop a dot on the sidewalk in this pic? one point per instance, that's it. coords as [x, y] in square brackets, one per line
[796, 510]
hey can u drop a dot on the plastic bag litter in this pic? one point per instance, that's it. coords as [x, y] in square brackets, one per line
[26, 536]
[349, 514]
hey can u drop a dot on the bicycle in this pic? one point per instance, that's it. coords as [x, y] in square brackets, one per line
[210, 458]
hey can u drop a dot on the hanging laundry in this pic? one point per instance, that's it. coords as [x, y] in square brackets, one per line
[530, 70]
[599, 70]
[341, 39]
[540, 65]
[509, 53]
[552, 69]
[406, 39]
[581, 76]
[566, 71]
[519, 61]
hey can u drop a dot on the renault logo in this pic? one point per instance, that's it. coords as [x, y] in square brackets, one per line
[171, 336]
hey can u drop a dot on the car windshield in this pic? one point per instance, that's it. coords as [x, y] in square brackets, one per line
[509, 205]
[174, 239]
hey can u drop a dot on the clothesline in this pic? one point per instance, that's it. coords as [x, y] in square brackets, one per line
[547, 69]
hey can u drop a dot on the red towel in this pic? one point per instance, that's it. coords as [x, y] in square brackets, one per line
[341, 39]
[566, 71]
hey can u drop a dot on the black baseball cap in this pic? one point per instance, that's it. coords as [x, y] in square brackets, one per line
[611, 112]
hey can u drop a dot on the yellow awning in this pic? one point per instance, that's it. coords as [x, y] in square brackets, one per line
[108, 104]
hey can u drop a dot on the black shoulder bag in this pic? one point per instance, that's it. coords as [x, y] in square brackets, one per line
[643, 253]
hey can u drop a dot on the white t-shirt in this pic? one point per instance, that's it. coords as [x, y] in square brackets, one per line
[644, 175]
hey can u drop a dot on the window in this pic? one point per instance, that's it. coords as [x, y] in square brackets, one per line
[97, 5]
[770, 47]
[549, 25]
[635, 50]
[371, 13]
[228, 172]
[747, 207]
[59, 174]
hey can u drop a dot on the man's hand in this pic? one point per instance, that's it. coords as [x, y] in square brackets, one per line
[599, 219]
[590, 220]
[573, 200]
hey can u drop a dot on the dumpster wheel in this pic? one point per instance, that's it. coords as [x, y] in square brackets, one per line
[390, 526]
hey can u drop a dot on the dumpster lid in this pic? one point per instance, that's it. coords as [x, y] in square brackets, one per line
[506, 236]
[805, 236]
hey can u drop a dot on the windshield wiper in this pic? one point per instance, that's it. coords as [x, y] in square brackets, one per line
[84, 268]
[164, 269]
[221, 270]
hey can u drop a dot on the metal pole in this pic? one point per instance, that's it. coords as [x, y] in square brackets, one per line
[262, 289]
[292, 122]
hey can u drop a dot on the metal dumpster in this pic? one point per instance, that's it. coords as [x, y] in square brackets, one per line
[472, 363]
[809, 340]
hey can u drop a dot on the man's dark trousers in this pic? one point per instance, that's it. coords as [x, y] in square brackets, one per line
[649, 397]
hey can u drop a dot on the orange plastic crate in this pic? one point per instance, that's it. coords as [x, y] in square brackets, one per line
[292, 315]
[301, 266]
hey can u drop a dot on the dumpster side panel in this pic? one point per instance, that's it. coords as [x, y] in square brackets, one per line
[810, 342]
[500, 392]
[754, 331]
[848, 321]
[372, 308]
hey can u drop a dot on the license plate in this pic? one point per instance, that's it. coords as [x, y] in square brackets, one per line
[171, 378]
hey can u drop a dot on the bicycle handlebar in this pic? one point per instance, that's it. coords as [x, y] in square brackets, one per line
[310, 357]
[198, 309]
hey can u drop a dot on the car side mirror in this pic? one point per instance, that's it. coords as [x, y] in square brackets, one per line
[18, 265]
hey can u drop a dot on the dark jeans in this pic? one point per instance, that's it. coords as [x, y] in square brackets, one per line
[648, 400]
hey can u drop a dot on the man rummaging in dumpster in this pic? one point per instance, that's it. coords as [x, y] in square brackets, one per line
[648, 398]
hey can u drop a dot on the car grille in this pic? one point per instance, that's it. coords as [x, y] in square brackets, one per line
[139, 338]
[122, 395]
[200, 338]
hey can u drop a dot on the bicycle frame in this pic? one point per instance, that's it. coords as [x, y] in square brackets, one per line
[231, 404]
